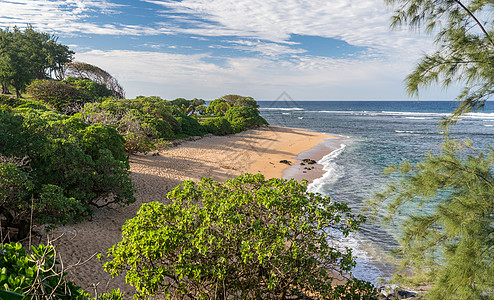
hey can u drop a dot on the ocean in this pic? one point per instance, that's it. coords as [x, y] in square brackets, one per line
[373, 135]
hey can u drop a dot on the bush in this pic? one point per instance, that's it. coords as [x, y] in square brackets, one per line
[92, 90]
[218, 107]
[248, 237]
[68, 168]
[218, 126]
[57, 94]
[34, 276]
[190, 126]
[244, 117]
[38, 276]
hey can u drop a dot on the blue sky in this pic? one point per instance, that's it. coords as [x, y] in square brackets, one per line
[312, 50]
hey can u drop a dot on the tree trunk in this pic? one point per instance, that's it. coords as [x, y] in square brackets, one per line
[5, 89]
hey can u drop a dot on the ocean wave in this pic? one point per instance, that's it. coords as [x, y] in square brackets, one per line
[406, 131]
[333, 172]
[281, 108]
[408, 114]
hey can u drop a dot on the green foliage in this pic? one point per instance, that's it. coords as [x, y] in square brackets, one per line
[463, 32]
[67, 167]
[450, 241]
[38, 276]
[29, 54]
[35, 276]
[187, 107]
[218, 107]
[141, 121]
[247, 237]
[92, 90]
[218, 126]
[244, 117]
[85, 71]
[190, 126]
[60, 95]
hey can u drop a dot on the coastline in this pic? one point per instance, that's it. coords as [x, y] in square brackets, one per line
[219, 157]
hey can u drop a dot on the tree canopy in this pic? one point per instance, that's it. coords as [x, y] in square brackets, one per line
[29, 54]
[84, 70]
[464, 33]
[249, 237]
[449, 238]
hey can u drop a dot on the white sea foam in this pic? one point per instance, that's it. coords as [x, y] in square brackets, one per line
[333, 172]
[281, 108]
[406, 131]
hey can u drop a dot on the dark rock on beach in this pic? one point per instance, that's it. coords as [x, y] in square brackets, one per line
[309, 161]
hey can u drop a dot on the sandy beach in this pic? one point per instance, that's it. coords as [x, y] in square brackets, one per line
[219, 157]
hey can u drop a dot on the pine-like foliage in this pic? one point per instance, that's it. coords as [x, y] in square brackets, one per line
[453, 240]
[464, 34]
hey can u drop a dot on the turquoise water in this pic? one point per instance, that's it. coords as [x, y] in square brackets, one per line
[374, 135]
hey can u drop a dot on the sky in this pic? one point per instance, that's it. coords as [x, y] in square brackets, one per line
[310, 50]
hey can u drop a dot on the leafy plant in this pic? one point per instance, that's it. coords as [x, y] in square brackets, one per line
[34, 276]
[71, 167]
[58, 94]
[248, 238]
[244, 117]
[218, 126]
[92, 90]
[191, 126]
[450, 241]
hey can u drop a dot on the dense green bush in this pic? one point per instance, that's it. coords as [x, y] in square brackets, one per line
[57, 94]
[248, 238]
[91, 89]
[64, 167]
[244, 117]
[35, 276]
[191, 126]
[218, 107]
[38, 276]
[218, 126]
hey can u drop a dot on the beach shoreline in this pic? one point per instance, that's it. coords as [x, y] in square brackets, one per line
[155, 174]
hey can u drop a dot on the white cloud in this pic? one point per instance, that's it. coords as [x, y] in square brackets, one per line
[360, 23]
[69, 17]
[305, 78]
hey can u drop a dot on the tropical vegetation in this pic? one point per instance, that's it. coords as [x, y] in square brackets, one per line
[248, 237]
[449, 239]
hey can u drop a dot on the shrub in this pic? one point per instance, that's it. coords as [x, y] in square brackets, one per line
[217, 107]
[71, 167]
[38, 276]
[244, 117]
[190, 126]
[35, 276]
[57, 94]
[218, 126]
[92, 90]
[248, 237]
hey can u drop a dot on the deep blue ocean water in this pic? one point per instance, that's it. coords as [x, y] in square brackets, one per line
[374, 135]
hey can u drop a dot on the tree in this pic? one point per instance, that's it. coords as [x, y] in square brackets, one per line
[464, 35]
[84, 70]
[451, 238]
[29, 54]
[249, 238]
[451, 242]
[218, 107]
